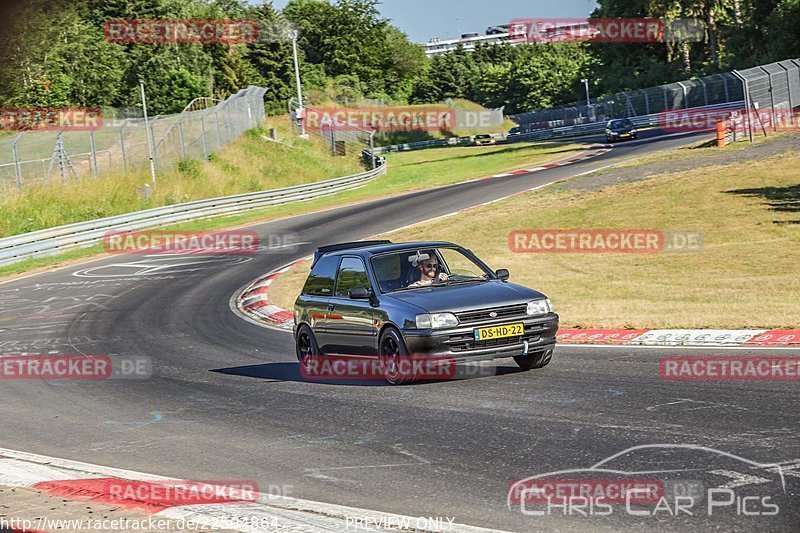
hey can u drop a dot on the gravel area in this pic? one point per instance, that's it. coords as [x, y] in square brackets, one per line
[616, 175]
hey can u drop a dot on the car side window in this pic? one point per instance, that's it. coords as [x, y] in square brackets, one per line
[352, 274]
[320, 281]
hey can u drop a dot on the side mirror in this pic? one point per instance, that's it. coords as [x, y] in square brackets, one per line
[360, 293]
[502, 273]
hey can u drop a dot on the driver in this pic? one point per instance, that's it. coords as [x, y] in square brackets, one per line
[428, 269]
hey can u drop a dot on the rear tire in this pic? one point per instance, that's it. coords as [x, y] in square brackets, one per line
[534, 360]
[307, 350]
[394, 357]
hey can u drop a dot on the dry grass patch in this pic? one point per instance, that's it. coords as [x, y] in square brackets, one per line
[746, 275]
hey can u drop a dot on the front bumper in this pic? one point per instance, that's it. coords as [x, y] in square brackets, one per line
[621, 137]
[459, 343]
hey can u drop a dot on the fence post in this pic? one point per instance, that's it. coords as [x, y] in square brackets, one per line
[58, 157]
[685, 96]
[748, 112]
[226, 121]
[151, 141]
[94, 152]
[122, 145]
[629, 106]
[219, 138]
[372, 149]
[646, 102]
[152, 131]
[789, 93]
[203, 136]
[771, 100]
[17, 169]
[705, 90]
[666, 100]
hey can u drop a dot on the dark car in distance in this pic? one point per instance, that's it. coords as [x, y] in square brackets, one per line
[621, 129]
[394, 300]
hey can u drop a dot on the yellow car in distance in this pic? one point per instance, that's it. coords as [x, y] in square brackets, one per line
[483, 140]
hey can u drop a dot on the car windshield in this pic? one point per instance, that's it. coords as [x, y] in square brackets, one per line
[483, 137]
[423, 267]
[620, 124]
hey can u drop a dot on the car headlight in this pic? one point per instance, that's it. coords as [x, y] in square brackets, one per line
[436, 321]
[539, 307]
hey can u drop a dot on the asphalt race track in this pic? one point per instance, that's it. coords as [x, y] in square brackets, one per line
[226, 400]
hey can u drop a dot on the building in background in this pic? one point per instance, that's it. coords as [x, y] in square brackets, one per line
[494, 35]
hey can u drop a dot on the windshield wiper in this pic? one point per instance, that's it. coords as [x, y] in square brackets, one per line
[454, 281]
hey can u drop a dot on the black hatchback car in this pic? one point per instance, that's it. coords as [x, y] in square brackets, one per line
[393, 301]
[621, 129]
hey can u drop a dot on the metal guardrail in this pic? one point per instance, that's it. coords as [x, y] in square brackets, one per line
[62, 238]
[576, 130]
[594, 128]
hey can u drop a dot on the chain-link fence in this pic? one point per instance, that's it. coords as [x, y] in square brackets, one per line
[767, 97]
[772, 97]
[121, 145]
[341, 137]
[709, 90]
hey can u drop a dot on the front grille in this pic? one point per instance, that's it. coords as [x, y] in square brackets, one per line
[481, 315]
[466, 341]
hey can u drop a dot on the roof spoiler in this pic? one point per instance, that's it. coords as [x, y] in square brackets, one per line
[322, 250]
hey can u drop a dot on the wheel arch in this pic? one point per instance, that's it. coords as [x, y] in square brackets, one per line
[387, 325]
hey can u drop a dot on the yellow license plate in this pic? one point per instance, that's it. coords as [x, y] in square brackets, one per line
[626, 135]
[499, 332]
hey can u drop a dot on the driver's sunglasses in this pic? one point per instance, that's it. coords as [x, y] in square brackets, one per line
[430, 265]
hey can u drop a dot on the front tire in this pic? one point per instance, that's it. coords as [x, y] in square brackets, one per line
[307, 350]
[394, 357]
[534, 360]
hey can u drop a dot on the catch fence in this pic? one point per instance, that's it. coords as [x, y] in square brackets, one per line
[121, 144]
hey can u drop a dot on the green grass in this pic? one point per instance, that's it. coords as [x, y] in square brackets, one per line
[745, 276]
[441, 166]
[248, 165]
[407, 171]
